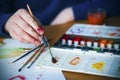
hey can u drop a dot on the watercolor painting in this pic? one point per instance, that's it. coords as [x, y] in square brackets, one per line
[12, 48]
[11, 52]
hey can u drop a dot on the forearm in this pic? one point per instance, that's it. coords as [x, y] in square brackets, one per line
[64, 16]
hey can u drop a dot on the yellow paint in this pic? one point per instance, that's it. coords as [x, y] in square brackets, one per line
[98, 65]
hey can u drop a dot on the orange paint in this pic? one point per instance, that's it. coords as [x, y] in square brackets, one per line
[75, 61]
[104, 42]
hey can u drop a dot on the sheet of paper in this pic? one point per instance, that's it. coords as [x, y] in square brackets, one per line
[9, 71]
[10, 51]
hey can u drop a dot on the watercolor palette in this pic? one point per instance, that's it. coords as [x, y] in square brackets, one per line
[90, 49]
[95, 31]
[80, 61]
[91, 37]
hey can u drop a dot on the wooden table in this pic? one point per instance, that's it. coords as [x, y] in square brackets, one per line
[55, 32]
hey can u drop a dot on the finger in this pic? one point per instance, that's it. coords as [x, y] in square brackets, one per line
[17, 37]
[29, 38]
[27, 28]
[29, 19]
[24, 35]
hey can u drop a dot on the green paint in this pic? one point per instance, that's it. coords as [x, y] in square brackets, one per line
[10, 52]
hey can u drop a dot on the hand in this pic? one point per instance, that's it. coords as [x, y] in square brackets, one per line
[22, 27]
[64, 16]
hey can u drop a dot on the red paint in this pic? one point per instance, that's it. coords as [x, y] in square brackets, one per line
[66, 37]
[21, 77]
[77, 38]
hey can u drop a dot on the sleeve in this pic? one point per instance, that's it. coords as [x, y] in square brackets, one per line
[110, 6]
[5, 7]
[3, 19]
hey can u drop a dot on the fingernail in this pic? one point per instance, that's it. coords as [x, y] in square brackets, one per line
[40, 29]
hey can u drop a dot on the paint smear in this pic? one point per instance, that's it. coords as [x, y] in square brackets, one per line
[98, 66]
[10, 52]
[75, 61]
[21, 77]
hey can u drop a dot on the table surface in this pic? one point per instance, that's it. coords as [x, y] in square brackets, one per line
[55, 32]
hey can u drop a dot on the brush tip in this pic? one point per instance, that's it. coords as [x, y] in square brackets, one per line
[14, 61]
[54, 60]
[28, 67]
[19, 69]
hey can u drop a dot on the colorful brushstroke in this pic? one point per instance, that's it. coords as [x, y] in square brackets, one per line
[10, 52]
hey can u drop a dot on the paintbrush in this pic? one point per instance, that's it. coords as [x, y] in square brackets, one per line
[28, 52]
[29, 59]
[48, 45]
[37, 55]
[43, 36]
